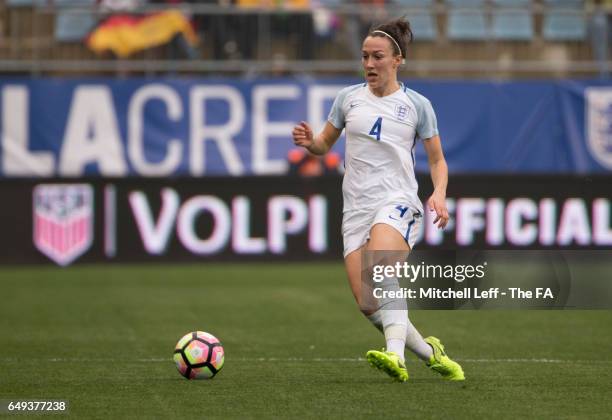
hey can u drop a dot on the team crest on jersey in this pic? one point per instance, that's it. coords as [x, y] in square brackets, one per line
[401, 111]
[598, 115]
[63, 220]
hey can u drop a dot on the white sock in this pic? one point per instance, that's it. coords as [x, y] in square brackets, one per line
[394, 317]
[397, 347]
[414, 340]
[415, 343]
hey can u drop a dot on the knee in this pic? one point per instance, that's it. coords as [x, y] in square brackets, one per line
[366, 306]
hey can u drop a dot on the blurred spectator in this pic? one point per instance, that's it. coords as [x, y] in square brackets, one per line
[358, 25]
[238, 35]
[305, 164]
[325, 21]
[233, 35]
[293, 21]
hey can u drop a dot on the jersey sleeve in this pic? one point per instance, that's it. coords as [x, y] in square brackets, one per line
[337, 113]
[427, 127]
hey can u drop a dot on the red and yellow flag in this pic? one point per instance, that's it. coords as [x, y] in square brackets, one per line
[125, 34]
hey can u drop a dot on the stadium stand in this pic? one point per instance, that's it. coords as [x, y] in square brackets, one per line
[70, 25]
[422, 20]
[416, 3]
[563, 23]
[467, 21]
[600, 35]
[424, 26]
[323, 36]
[564, 3]
[466, 3]
[513, 20]
[26, 3]
[467, 25]
[515, 25]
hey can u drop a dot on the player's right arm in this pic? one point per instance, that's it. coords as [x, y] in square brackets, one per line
[319, 145]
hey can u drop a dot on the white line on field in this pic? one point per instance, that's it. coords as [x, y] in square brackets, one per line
[285, 359]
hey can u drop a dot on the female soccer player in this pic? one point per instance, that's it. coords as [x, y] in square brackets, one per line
[382, 212]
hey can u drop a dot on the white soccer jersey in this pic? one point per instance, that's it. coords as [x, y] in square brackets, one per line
[381, 134]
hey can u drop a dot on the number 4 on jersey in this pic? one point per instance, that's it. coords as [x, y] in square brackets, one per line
[376, 129]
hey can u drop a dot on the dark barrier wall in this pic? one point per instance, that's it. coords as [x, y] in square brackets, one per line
[162, 127]
[279, 218]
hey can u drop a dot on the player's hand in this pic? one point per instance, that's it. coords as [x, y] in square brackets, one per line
[303, 135]
[437, 203]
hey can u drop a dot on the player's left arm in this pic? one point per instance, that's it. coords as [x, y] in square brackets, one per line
[439, 177]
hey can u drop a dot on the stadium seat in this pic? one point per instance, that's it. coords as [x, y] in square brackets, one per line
[560, 25]
[414, 3]
[423, 26]
[73, 26]
[75, 3]
[465, 3]
[28, 3]
[423, 23]
[564, 3]
[512, 24]
[512, 3]
[467, 25]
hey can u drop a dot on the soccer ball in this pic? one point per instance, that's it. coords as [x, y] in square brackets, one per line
[199, 355]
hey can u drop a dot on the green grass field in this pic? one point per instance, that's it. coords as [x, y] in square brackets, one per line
[102, 338]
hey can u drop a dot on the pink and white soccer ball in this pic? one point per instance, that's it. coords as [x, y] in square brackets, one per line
[199, 355]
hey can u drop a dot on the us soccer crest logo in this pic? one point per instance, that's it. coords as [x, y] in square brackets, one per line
[63, 220]
[599, 124]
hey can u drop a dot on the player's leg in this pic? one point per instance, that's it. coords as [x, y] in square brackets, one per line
[389, 362]
[384, 248]
[362, 292]
[385, 237]
[355, 238]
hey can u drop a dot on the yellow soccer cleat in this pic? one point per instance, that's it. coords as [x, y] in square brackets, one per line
[388, 362]
[443, 364]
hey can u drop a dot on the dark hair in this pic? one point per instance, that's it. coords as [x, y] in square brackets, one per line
[399, 29]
